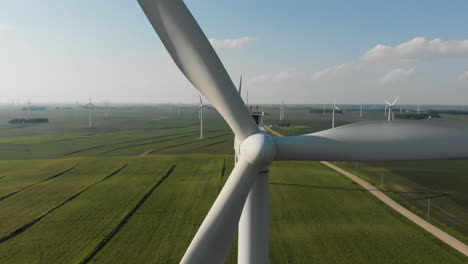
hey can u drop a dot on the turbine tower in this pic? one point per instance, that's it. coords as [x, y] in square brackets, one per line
[360, 112]
[242, 205]
[390, 106]
[90, 106]
[333, 115]
[282, 111]
[200, 116]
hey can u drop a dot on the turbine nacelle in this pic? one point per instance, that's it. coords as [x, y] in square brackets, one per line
[258, 149]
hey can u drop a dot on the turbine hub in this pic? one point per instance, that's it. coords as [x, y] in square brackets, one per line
[258, 149]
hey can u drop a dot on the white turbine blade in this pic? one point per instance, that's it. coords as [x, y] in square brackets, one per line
[201, 102]
[196, 58]
[337, 108]
[388, 104]
[379, 141]
[213, 240]
[396, 99]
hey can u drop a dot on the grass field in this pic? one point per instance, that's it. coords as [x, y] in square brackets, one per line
[73, 194]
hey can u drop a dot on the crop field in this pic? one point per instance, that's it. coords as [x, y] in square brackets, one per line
[136, 187]
[148, 212]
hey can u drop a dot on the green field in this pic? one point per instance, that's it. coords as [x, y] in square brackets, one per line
[73, 194]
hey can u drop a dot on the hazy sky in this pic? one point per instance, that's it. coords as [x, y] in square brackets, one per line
[301, 51]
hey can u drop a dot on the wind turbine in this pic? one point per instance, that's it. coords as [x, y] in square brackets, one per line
[240, 86]
[282, 107]
[106, 109]
[29, 108]
[360, 112]
[418, 109]
[333, 115]
[90, 105]
[242, 205]
[390, 108]
[200, 116]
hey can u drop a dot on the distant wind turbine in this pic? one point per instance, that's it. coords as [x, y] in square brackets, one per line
[390, 106]
[333, 115]
[29, 108]
[90, 105]
[360, 112]
[282, 108]
[240, 86]
[200, 116]
[418, 109]
[106, 109]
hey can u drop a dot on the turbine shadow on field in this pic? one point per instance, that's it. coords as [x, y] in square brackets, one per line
[428, 194]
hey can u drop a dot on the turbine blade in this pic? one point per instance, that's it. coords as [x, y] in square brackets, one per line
[388, 104]
[396, 99]
[201, 102]
[196, 58]
[379, 141]
[213, 240]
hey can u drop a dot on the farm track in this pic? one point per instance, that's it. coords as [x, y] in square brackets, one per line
[69, 199]
[127, 217]
[26, 187]
[186, 143]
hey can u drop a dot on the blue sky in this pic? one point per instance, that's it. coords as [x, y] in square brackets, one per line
[299, 51]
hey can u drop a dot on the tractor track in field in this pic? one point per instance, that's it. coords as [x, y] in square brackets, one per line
[85, 149]
[26, 226]
[149, 143]
[214, 143]
[173, 127]
[28, 186]
[124, 142]
[185, 143]
[127, 217]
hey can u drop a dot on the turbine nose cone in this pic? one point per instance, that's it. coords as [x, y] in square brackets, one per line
[259, 149]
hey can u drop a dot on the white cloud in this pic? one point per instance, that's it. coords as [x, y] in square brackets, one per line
[397, 75]
[260, 78]
[463, 76]
[417, 49]
[330, 72]
[294, 75]
[5, 27]
[231, 43]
